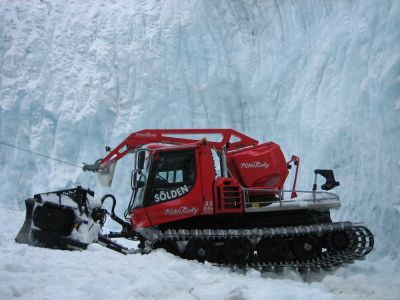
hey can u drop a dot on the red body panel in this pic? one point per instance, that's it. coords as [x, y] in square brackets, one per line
[207, 175]
[185, 207]
[139, 219]
[249, 165]
[189, 204]
[259, 166]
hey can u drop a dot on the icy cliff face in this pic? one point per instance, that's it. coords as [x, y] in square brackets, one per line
[322, 79]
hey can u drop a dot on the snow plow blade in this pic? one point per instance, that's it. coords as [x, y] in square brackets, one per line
[67, 220]
[24, 233]
[61, 220]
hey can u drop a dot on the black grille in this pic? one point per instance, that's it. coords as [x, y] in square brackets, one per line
[78, 195]
[54, 218]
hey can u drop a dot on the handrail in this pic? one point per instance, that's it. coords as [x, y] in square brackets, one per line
[281, 192]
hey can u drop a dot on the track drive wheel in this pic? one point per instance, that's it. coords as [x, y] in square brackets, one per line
[237, 251]
[201, 251]
[306, 247]
[339, 240]
[272, 249]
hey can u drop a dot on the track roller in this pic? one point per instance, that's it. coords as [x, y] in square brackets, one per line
[201, 251]
[306, 247]
[272, 249]
[237, 251]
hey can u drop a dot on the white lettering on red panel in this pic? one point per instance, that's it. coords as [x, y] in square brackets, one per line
[146, 135]
[254, 165]
[208, 207]
[183, 210]
[171, 194]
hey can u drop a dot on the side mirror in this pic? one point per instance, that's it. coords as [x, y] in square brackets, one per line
[140, 160]
[135, 184]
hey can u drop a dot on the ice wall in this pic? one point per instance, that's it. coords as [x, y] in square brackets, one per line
[321, 78]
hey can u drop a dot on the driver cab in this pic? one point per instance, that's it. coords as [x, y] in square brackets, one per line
[165, 185]
[161, 176]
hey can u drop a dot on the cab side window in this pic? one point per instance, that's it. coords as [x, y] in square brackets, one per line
[173, 175]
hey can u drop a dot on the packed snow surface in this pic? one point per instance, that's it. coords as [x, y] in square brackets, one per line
[320, 78]
[98, 273]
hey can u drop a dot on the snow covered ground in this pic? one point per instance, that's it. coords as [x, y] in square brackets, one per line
[321, 78]
[98, 273]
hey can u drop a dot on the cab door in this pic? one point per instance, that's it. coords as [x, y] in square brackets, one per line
[173, 192]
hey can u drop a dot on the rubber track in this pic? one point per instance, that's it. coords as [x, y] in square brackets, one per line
[361, 242]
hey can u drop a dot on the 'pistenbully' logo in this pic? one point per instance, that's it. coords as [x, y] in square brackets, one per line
[183, 210]
[254, 165]
[145, 135]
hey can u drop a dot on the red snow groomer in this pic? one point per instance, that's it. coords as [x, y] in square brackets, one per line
[218, 198]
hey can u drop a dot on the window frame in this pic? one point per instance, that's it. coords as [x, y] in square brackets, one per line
[149, 199]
